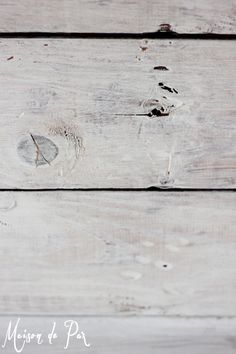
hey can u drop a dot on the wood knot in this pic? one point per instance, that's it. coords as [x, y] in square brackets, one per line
[37, 150]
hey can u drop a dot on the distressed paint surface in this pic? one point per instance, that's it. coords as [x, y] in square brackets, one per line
[115, 16]
[113, 118]
[118, 253]
[98, 113]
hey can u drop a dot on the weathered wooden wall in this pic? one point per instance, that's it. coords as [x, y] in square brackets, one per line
[115, 16]
[118, 253]
[109, 122]
[88, 101]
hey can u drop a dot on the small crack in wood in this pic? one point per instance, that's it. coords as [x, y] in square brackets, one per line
[38, 152]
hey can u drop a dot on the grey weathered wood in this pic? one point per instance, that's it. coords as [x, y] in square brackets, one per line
[118, 253]
[130, 335]
[89, 101]
[118, 15]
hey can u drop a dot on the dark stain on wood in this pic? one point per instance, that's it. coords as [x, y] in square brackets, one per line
[161, 68]
[158, 113]
[143, 48]
[167, 88]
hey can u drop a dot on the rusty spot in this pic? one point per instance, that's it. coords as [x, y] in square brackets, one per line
[161, 68]
[143, 48]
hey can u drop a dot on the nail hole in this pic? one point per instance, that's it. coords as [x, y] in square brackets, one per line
[163, 266]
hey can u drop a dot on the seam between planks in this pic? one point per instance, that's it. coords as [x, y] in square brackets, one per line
[150, 189]
[119, 316]
[144, 35]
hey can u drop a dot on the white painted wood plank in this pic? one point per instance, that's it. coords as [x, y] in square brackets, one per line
[116, 16]
[118, 253]
[128, 335]
[91, 99]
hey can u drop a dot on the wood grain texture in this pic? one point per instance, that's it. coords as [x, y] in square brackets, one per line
[118, 253]
[96, 114]
[116, 16]
[130, 335]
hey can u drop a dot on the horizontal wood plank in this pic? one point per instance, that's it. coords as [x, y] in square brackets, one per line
[116, 253]
[127, 335]
[116, 16]
[117, 114]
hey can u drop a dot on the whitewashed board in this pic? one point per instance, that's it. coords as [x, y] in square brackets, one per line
[126, 335]
[117, 16]
[106, 253]
[74, 114]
